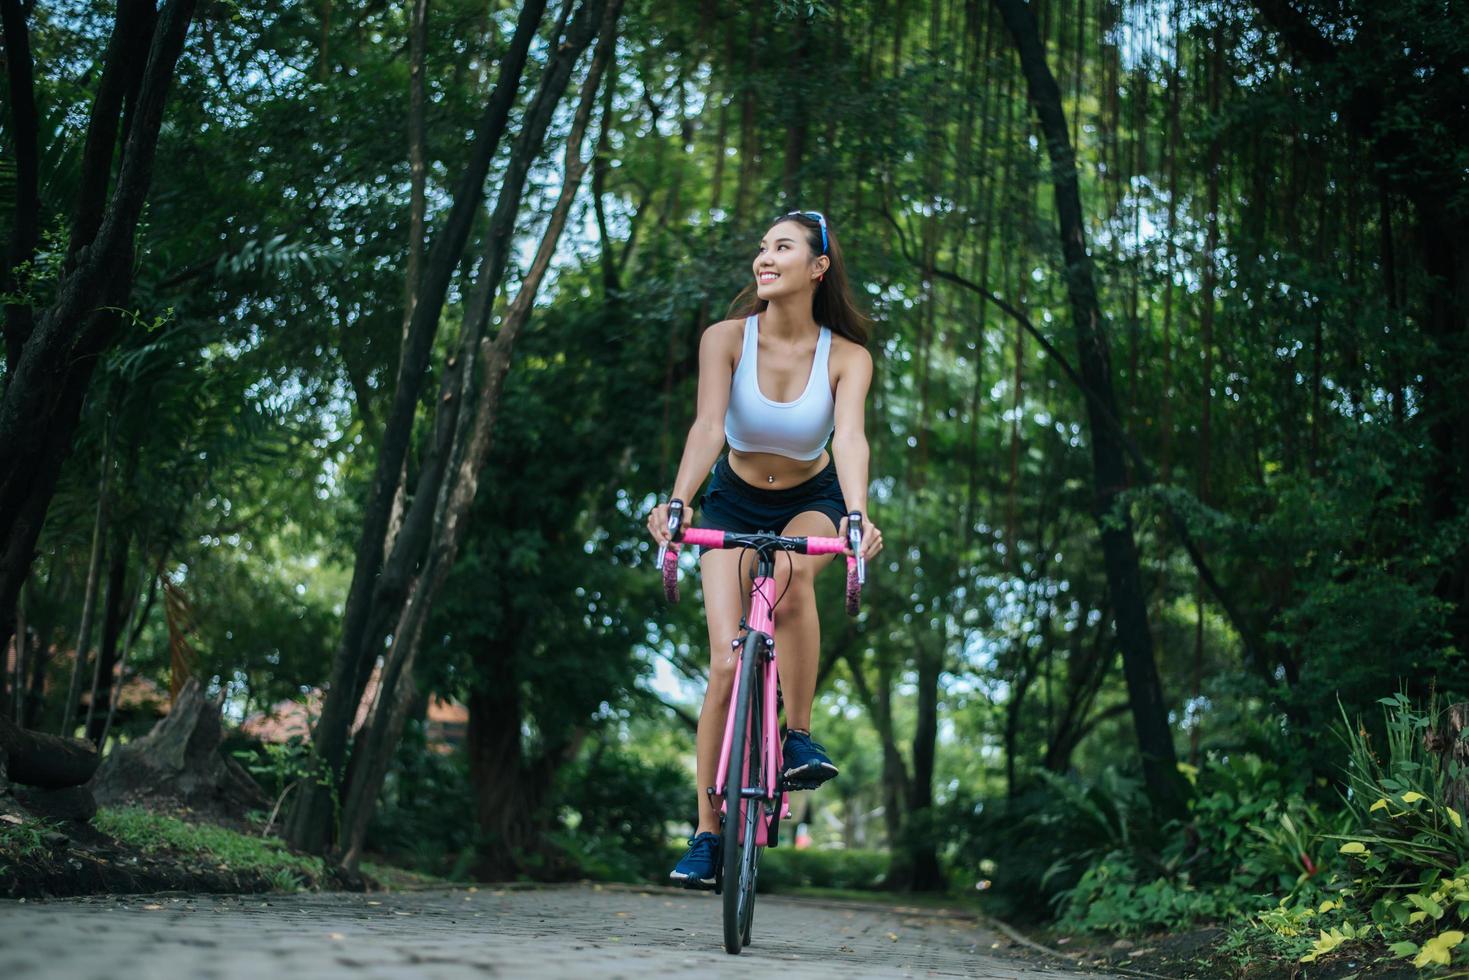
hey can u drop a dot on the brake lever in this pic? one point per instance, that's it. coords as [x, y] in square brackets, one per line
[675, 523]
[854, 540]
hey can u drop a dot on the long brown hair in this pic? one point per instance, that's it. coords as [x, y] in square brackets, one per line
[832, 305]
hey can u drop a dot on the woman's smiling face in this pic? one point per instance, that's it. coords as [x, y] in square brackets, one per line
[785, 254]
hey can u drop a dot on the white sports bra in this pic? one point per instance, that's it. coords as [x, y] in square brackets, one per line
[756, 424]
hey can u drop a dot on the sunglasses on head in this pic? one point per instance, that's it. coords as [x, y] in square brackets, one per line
[817, 216]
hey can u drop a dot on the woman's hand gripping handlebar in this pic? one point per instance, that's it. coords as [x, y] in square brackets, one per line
[851, 546]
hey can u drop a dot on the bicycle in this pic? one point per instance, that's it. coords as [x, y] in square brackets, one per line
[754, 775]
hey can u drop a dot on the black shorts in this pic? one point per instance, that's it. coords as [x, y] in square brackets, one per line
[728, 503]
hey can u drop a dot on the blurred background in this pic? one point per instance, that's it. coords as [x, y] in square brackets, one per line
[359, 415]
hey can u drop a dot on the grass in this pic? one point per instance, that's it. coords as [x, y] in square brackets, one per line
[26, 839]
[150, 832]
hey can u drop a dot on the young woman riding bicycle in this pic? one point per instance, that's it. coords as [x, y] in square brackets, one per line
[787, 372]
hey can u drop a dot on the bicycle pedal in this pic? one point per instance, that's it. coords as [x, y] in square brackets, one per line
[800, 783]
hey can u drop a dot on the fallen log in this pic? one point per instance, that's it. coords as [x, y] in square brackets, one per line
[71, 803]
[47, 761]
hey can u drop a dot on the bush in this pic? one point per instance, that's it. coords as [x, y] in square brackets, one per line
[1249, 836]
[612, 808]
[1039, 843]
[1249, 828]
[425, 816]
[1115, 896]
[1090, 854]
[1407, 883]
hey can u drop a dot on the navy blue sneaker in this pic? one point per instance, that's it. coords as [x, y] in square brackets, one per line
[696, 868]
[806, 764]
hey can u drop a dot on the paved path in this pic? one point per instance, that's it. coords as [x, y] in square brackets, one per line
[576, 931]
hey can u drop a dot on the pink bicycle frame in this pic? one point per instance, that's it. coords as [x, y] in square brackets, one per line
[760, 620]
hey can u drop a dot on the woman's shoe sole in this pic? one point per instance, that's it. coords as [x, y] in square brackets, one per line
[688, 881]
[807, 777]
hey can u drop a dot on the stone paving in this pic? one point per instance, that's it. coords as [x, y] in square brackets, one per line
[580, 931]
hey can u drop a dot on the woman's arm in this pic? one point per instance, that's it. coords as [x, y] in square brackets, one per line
[706, 435]
[849, 443]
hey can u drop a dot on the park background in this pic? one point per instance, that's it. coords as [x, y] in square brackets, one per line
[348, 343]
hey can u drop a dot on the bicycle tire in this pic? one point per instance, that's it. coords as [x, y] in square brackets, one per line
[734, 781]
[854, 590]
[754, 813]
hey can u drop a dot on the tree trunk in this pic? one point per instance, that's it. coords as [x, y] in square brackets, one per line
[113, 610]
[1150, 715]
[606, 257]
[22, 644]
[799, 117]
[89, 598]
[507, 797]
[922, 830]
[130, 635]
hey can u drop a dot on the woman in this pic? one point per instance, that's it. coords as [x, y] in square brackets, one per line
[778, 380]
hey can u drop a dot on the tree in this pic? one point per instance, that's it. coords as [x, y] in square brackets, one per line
[54, 359]
[1150, 714]
[471, 443]
[311, 817]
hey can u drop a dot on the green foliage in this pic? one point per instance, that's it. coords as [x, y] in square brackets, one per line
[279, 768]
[613, 811]
[1403, 822]
[1402, 878]
[219, 846]
[1118, 895]
[1407, 849]
[1249, 829]
[1249, 833]
[1089, 851]
[276, 766]
[1039, 843]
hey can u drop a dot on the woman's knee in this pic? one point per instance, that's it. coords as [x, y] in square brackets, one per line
[797, 576]
[799, 597]
[722, 660]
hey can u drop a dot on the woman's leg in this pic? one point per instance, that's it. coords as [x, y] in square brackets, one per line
[797, 630]
[726, 596]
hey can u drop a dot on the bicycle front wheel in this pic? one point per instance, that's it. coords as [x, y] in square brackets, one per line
[739, 812]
